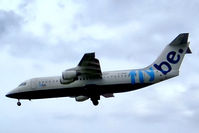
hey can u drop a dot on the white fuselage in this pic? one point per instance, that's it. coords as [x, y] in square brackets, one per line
[111, 82]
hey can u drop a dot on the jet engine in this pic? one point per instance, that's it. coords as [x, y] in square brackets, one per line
[68, 76]
[81, 98]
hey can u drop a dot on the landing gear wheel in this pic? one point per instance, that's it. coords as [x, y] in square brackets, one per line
[19, 103]
[95, 102]
[95, 99]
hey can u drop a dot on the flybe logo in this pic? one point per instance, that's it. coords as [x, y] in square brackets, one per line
[140, 75]
[148, 75]
[172, 58]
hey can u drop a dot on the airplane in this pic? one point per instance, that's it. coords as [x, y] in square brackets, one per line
[87, 81]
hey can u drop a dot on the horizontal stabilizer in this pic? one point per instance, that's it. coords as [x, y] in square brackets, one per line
[188, 51]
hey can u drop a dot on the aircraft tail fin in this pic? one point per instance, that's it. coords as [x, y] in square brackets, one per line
[171, 57]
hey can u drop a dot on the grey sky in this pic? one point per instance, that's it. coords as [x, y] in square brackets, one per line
[43, 38]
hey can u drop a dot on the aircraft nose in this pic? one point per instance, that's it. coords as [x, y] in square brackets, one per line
[12, 94]
[9, 95]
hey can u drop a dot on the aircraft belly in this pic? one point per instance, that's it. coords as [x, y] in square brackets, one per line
[117, 88]
[77, 91]
[50, 93]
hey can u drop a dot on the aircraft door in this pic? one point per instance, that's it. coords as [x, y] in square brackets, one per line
[33, 83]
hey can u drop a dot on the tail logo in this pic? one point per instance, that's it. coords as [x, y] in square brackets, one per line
[173, 58]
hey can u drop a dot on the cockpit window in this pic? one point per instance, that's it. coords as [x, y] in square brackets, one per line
[23, 84]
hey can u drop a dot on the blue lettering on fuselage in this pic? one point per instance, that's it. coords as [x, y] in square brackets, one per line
[132, 74]
[150, 72]
[42, 84]
[173, 58]
[141, 76]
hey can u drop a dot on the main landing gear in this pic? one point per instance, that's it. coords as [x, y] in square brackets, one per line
[19, 103]
[95, 100]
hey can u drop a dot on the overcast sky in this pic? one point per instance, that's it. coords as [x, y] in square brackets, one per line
[43, 38]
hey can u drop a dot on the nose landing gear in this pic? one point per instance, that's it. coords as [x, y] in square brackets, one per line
[19, 103]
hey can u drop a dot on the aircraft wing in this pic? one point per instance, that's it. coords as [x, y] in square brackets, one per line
[89, 66]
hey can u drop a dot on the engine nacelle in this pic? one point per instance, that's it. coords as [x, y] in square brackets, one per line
[69, 74]
[65, 81]
[81, 98]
